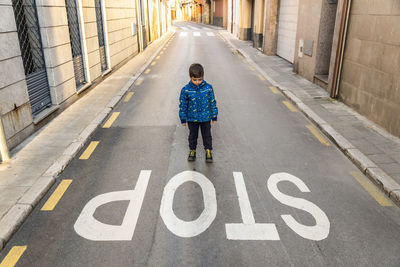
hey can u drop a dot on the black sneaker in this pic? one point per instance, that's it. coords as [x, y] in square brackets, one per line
[192, 155]
[209, 158]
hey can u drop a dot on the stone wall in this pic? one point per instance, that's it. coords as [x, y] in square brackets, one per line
[370, 81]
[15, 110]
[120, 15]
[307, 31]
[57, 49]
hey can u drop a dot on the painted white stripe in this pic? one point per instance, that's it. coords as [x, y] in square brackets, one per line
[244, 203]
[196, 34]
[316, 232]
[90, 228]
[194, 28]
[249, 229]
[193, 228]
[210, 34]
[183, 34]
[205, 28]
[183, 28]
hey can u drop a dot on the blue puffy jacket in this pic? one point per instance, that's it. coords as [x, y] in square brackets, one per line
[197, 103]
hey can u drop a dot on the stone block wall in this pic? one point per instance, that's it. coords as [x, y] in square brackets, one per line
[15, 110]
[120, 15]
[307, 30]
[57, 49]
[370, 81]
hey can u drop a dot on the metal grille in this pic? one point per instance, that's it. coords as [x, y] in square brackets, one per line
[75, 38]
[100, 34]
[32, 54]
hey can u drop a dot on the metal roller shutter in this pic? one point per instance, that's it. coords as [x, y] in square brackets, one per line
[75, 39]
[287, 26]
[32, 54]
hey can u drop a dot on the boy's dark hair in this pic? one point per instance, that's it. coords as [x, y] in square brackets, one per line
[196, 70]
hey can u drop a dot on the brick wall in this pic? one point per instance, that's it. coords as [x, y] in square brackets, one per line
[370, 81]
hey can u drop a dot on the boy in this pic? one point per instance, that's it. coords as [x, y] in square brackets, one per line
[197, 108]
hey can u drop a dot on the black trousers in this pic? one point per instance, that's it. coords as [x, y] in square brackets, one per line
[205, 133]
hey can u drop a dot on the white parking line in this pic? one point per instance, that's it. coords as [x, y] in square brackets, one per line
[196, 34]
[210, 34]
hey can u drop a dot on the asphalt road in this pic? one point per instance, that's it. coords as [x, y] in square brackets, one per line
[274, 196]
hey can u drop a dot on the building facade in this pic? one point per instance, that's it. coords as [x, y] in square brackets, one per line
[349, 47]
[51, 51]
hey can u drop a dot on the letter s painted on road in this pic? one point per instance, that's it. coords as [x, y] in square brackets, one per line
[317, 232]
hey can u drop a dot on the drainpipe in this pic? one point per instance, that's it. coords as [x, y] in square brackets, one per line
[5, 156]
[340, 50]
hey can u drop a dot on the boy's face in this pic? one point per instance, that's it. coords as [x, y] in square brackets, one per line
[197, 81]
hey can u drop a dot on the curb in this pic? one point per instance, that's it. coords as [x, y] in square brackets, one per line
[386, 183]
[13, 219]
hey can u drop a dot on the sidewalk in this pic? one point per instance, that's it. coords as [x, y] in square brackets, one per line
[373, 150]
[35, 163]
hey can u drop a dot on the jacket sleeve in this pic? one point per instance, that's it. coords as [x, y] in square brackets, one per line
[183, 106]
[213, 105]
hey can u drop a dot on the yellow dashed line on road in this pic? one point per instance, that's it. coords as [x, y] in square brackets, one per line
[153, 63]
[111, 120]
[139, 82]
[274, 90]
[13, 256]
[128, 96]
[147, 71]
[56, 196]
[318, 135]
[251, 68]
[261, 77]
[162, 52]
[89, 150]
[371, 189]
[290, 106]
[158, 57]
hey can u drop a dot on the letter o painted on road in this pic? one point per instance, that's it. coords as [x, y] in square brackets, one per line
[180, 227]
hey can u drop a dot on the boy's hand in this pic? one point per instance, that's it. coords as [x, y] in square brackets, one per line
[213, 121]
[184, 124]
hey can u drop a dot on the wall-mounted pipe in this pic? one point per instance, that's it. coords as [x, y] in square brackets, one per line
[340, 49]
[5, 156]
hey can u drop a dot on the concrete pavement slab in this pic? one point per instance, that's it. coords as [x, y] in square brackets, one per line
[384, 180]
[13, 219]
[360, 159]
[37, 191]
[395, 196]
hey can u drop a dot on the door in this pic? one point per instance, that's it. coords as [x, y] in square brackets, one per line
[287, 27]
[32, 54]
